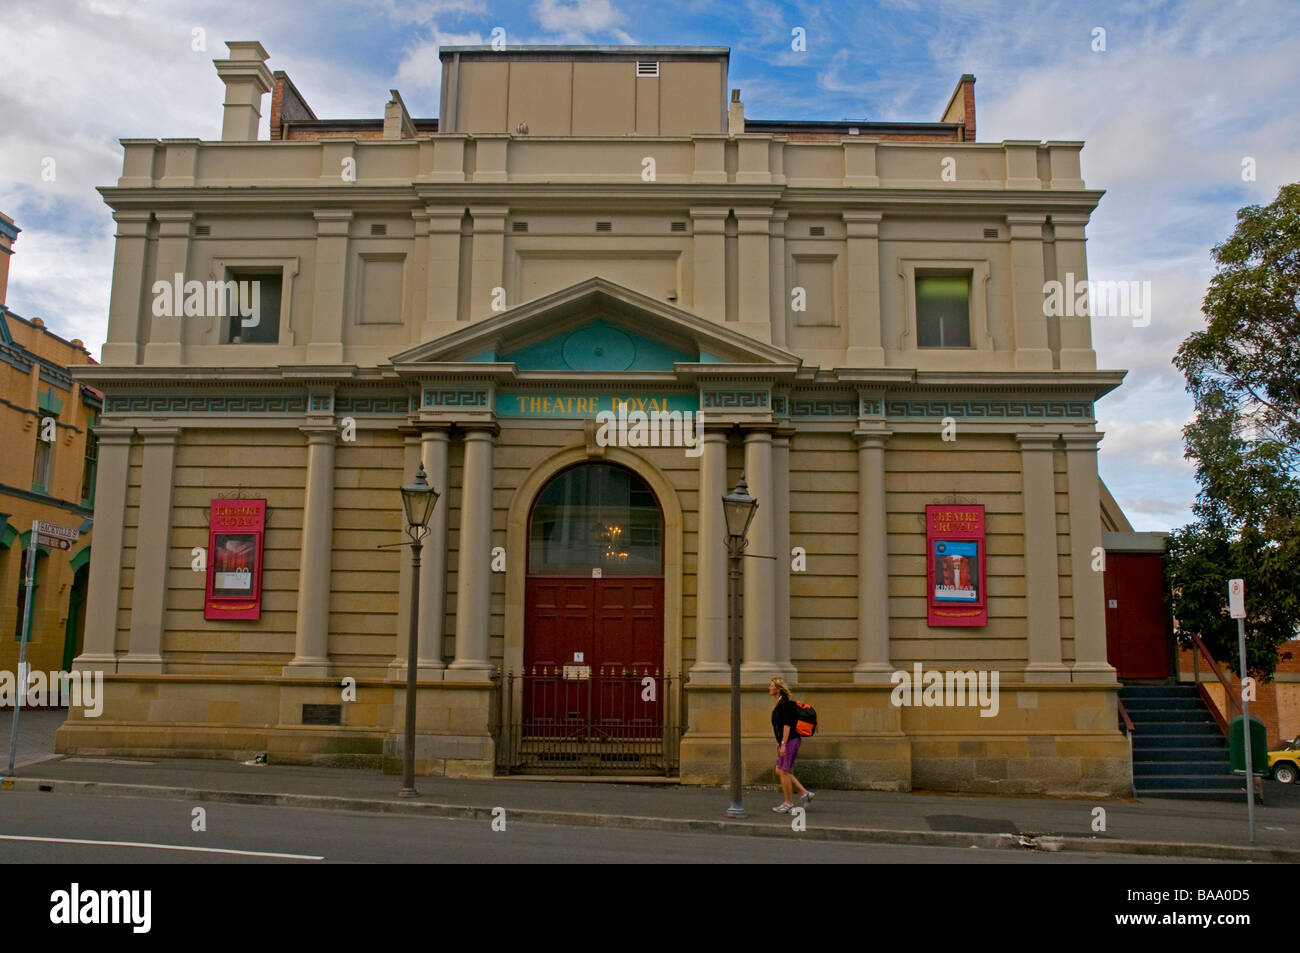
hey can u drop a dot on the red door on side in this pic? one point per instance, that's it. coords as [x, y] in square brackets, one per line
[1137, 623]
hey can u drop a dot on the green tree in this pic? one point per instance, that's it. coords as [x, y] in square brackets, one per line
[1243, 372]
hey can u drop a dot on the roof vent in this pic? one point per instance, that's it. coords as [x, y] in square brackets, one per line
[816, 230]
[990, 233]
[378, 228]
[202, 231]
[678, 227]
[647, 69]
[604, 226]
[519, 226]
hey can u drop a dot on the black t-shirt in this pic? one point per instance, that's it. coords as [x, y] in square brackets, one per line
[785, 713]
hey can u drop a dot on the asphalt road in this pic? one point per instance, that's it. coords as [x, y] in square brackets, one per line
[35, 828]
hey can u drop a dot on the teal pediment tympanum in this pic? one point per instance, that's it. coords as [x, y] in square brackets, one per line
[598, 345]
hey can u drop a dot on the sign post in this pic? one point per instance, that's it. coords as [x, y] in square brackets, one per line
[54, 537]
[1237, 609]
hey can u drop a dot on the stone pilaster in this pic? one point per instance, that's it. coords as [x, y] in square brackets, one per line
[781, 549]
[99, 648]
[710, 265]
[325, 346]
[866, 346]
[487, 265]
[874, 665]
[1090, 663]
[164, 345]
[754, 273]
[311, 638]
[149, 595]
[1042, 585]
[1032, 350]
[131, 295]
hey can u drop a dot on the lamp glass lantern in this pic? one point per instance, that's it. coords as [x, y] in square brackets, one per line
[738, 509]
[418, 499]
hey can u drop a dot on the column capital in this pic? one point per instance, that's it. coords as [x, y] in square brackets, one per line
[479, 429]
[114, 436]
[761, 430]
[872, 439]
[320, 433]
[1086, 442]
[159, 435]
[1036, 440]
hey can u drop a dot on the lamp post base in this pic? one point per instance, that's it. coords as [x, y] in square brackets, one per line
[408, 792]
[736, 810]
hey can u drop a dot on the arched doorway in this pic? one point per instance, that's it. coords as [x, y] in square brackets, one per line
[593, 675]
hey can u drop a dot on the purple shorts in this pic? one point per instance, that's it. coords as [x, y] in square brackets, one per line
[785, 762]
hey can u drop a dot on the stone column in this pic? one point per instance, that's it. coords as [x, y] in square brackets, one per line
[487, 265]
[874, 665]
[325, 346]
[1042, 588]
[781, 549]
[474, 570]
[1090, 663]
[149, 595]
[866, 347]
[131, 294]
[311, 639]
[754, 273]
[100, 646]
[1032, 350]
[433, 560]
[164, 345]
[710, 262]
[759, 594]
[711, 617]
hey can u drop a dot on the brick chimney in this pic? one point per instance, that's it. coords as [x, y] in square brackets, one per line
[961, 107]
[247, 78]
[8, 235]
[287, 104]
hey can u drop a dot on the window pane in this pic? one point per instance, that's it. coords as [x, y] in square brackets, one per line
[41, 466]
[266, 296]
[596, 516]
[943, 311]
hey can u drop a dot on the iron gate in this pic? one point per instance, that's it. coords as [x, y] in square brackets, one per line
[573, 719]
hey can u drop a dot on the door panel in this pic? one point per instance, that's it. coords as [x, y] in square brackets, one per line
[1137, 636]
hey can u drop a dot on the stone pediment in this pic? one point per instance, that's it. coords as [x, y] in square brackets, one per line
[597, 326]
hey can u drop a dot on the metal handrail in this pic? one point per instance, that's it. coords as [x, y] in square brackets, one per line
[1228, 691]
[1128, 722]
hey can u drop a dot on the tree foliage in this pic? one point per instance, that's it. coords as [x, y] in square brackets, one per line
[1243, 372]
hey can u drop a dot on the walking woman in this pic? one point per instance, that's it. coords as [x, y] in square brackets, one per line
[784, 717]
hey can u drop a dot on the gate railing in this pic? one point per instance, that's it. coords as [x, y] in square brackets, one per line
[573, 719]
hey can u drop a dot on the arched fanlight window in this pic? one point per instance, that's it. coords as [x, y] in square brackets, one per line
[596, 516]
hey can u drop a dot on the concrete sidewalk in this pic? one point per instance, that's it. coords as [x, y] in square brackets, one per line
[1194, 829]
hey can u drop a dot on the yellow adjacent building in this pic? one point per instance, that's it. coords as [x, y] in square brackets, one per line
[47, 472]
[588, 241]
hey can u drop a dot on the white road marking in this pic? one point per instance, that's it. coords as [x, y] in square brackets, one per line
[122, 843]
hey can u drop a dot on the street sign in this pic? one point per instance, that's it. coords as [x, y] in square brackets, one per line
[55, 536]
[1237, 598]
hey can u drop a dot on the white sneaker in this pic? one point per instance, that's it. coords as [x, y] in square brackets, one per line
[783, 808]
[806, 797]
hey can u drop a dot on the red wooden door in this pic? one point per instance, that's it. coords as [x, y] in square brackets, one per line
[1137, 627]
[612, 627]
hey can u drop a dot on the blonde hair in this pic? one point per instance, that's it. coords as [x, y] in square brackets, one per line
[781, 686]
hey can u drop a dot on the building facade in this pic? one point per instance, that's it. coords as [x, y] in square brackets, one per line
[850, 314]
[48, 473]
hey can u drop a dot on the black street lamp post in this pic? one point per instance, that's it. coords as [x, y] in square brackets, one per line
[738, 509]
[418, 500]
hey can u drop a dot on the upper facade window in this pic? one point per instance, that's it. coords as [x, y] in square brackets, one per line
[259, 293]
[943, 310]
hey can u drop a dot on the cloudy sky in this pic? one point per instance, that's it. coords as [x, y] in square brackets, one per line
[1184, 94]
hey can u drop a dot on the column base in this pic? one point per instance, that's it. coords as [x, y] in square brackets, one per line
[1052, 672]
[1094, 673]
[468, 672]
[140, 665]
[307, 668]
[754, 674]
[709, 673]
[94, 663]
[425, 671]
[163, 353]
[1033, 359]
[873, 673]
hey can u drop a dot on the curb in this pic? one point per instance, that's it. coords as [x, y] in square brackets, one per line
[859, 835]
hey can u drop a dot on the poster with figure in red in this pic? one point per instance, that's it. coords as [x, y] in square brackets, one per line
[955, 555]
[236, 533]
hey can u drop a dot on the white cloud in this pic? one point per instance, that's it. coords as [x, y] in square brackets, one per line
[579, 21]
